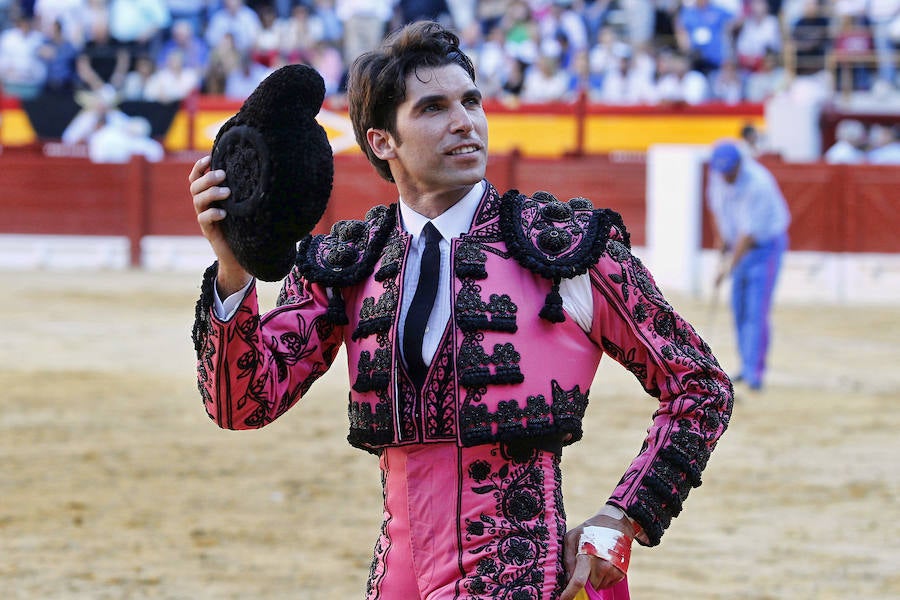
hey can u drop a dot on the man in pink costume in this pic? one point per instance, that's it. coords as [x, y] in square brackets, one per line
[469, 403]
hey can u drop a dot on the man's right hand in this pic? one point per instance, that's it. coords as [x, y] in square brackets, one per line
[205, 190]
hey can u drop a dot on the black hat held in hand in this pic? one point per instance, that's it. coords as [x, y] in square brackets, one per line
[279, 167]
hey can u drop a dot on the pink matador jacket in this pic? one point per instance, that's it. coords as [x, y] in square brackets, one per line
[510, 366]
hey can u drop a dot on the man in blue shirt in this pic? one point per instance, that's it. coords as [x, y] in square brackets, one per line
[752, 219]
[703, 32]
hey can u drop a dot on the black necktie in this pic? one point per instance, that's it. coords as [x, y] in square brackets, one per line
[422, 302]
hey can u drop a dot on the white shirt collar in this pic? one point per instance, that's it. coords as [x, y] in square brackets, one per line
[451, 223]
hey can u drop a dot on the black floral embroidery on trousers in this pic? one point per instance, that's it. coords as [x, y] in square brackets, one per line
[516, 533]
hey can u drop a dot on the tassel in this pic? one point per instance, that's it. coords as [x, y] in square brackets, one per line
[337, 310]
[553, 305]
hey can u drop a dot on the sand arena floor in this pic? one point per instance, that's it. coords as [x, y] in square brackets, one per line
[115, 485]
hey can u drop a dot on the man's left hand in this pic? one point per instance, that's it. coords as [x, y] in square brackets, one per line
[581, 568]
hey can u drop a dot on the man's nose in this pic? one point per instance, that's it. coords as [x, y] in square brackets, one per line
[460, 120]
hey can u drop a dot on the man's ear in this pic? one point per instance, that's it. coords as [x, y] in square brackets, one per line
[382, 143]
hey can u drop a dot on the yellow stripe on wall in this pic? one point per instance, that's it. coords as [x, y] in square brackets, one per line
[531, 134]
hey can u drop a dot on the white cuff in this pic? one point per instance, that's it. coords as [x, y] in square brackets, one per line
[226, 309]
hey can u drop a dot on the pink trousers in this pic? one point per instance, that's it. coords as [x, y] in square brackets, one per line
[471, 523]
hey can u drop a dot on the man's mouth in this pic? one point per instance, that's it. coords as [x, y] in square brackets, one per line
[464, 150]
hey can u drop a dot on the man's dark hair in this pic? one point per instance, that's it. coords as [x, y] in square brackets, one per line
[377, 80]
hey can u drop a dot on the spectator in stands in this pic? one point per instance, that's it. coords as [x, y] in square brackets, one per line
[852, 50]
[135, 85]
[607, 52]
[326, 58]
[241, 82]
[582, 79]
[628, 84]
[881, 14]
[103, 61]
[515, 81]
[849, 147]
[282, 8]
[139, 24]
[491, 12]
[6, 16]
[173, 82]
[495, 64]
[300, 34]
[66, 13]
[194, 12]
[767, 80]
[93, 15]
[365, 24]
[266, 47]
[811, 38]
[118, 140]
[224, 58]
[562, 20]
[751, 219]
[703, 33]
[410, 11]
[238, 20]
[678, 83]
[751, 141]
[727, 84]
[185, 40]
[58, 54]
[884, 145]
[640, 20]
[546, 80]
[22, 72]
[97, 108]
[759, 35]
[462, 13]
[521, 35]
[665, 16]
[332, 28]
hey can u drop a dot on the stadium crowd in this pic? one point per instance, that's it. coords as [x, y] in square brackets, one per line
[620, 52]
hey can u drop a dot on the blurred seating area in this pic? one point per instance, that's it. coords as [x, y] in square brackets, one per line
[616, 52]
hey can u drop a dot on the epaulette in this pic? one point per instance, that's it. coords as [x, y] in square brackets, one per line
[557, 240]
[347, 255]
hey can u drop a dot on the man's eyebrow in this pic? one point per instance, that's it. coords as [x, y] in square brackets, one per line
[439, 98]
[431, 99]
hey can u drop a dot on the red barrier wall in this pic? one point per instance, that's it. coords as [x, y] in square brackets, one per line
[835, 208]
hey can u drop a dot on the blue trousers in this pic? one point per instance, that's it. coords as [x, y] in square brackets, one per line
[753, 285]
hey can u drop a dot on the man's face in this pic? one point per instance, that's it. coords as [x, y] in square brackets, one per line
[440, 143]
[732, 175]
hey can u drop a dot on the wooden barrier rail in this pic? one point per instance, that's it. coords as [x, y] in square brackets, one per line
[836, 208]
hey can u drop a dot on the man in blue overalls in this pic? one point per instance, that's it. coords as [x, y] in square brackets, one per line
[752, 219]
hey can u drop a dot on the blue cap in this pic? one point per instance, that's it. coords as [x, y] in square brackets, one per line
[725, 157]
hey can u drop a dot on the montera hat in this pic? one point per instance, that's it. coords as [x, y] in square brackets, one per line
[279, 167]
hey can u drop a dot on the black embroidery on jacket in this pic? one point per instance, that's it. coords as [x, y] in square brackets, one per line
[202, 310]
[203, 333]
[346, 256]
[439, 394]
[371, 426]
[705, 393]
[373, 371]
[558, 240]
[515, 422]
